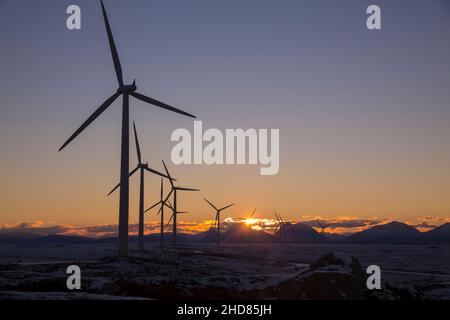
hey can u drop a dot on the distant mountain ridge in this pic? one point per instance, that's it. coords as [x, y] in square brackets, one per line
[299, 233]
[389, 233]
[239, 233]
[440, 234]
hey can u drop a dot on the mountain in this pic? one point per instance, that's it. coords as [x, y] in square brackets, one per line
[27, 237]
[299, 233]
[56, 238]
[392, 232]
[336, 237]
[239, 233]
[210, 235]
[15, 235]
[18, 237]
[155, 237]
[440, 235]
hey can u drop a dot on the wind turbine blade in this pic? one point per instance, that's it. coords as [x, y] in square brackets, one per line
[159, 202]
[278, 217]
[115, 188]
[168, 174]
[226, 207]
[252, 213]
[181, 212]
[160, 104]
[113, 48]
[167, 197]
[138, 148]
[186, 189]
[89, 120]
[118, 185]
[210, 204]
[155, 172]
[168, 205]
[170, 219]
[162, 189]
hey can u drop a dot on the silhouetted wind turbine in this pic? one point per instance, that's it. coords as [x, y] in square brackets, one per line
[217, 219]
[323, 227]
[174, 207]
[281, 223]
[169, 205]
[162, 203]
[125, 91]
[249, 227]
[142, 167]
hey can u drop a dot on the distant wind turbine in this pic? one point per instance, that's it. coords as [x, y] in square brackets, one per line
[281, 223]
[249, 227]
[142, 167]
[174, 207]
[162, 204]
[217, 219]
[323, 227]
[125, 91]
[169, 205]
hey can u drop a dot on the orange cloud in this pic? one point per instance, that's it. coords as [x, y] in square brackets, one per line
[339, 225]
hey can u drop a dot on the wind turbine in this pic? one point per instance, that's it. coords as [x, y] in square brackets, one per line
[249, 227]
[174, 207]
[125, 91]
[162, 202]
[217, 219]
[169, 205]
[323, 227]
[281, 223]
[142, 167]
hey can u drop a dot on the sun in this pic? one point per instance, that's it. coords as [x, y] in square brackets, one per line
[250, 221]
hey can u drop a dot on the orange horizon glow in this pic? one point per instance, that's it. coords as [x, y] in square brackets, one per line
[194, 227]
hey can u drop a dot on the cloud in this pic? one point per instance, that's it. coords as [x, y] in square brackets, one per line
[37, 227]
[341, 225]
[102, 230]
[428, 222]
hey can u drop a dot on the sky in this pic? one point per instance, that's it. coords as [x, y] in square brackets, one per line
[363, 115]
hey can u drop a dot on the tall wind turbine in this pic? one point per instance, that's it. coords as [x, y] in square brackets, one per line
[217, 219]
[323, 227]
[142, 167]
[174, 207]
[125, 91]
[162, 203]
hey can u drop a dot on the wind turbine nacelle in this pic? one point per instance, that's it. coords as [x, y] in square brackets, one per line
[127, 88]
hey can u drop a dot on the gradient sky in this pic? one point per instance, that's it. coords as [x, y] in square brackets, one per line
[363, 116]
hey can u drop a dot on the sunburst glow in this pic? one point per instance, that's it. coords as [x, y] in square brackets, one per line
[251, 221]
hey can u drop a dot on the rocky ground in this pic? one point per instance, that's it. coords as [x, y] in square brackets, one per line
[231, 272]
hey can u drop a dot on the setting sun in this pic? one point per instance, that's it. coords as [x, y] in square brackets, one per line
[250, 221]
